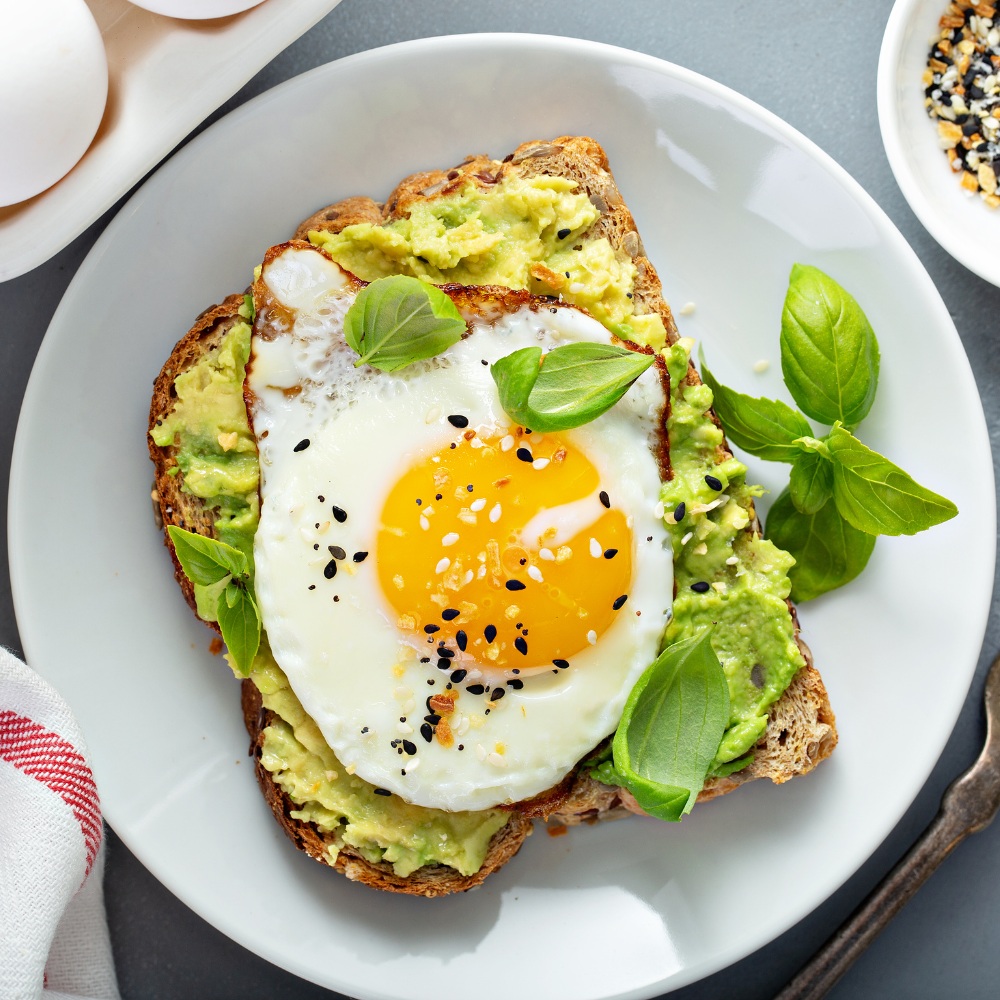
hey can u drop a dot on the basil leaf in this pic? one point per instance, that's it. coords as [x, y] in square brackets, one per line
[828, 551]
[766, 428]
[239, 622]
[205, 560]
[398, 320]
[811, 481]
[878, 497]
[731, 767]
[605, 772]
[671, 728]
[570, 386]
[829, 354]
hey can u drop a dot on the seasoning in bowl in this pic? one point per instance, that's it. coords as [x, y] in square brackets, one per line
[962, 91]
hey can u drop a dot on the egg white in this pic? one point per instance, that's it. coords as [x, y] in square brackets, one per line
[353, 670]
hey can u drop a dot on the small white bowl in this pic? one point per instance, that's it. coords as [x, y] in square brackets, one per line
[196, 10]
[961, 223]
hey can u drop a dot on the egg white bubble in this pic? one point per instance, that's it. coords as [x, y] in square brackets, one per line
[347, 661]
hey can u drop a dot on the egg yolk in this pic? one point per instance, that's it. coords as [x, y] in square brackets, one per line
[455, 562]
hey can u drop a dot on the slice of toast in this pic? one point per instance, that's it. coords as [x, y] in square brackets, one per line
[801, 728]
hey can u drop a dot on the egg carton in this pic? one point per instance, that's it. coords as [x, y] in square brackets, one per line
[165, 76]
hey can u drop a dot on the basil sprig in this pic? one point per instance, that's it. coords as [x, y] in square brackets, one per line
[670, 731]
[398, 320]
[206, 561]
[840, 494]
[569, 386]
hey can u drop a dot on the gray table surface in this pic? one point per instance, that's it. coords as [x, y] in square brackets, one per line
[815, 66]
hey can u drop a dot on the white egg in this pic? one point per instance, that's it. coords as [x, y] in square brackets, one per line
[349, 442]
[54, 82]
[196, 9]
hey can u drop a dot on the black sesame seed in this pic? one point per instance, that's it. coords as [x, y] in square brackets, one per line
[700, 587]
[430, 680]
[469, 487]
[419, 502]
[410, 748]
[970, 128]
[360, 556]
[519, 624]
[437, 496]
[524, 631]
[713, 483]
[458, 676]
[339, 514]
[337, 552]
[497, 693]
[457, 420]
[976, 93]
[425, 659]
[757, 675]
[561, 664]
[321, 499]
[514, 585]
[619, 602]
[649, 538]
[527, 430]
[444, 664]
[427, 732]
[382, 791]
[452, 445]
[563, 233]
[490, 632]
[982, 147]
[475, 689]
[302, 445]
[484, 362]
[312, 586]
[610, 553]
[523, 561]
[515, 684]
[450, 613]
[316, 547]
[330, 570]
[364, 730]
[679, 511]
[461, 640]
[433, 718]
[521, 646]
[432, 628]
[515, 671]
[605, 499]
[524, 455]
[445, 652]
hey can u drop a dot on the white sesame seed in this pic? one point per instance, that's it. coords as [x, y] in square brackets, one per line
[592, 637]
[687, 308]
[432, 414]
[658, 509]
[546, 554]
[404, 728]
[463, 727]
[507, 443]
[296, 509]
[468, 577]
[319, 561]
[495, 513]
[761, 366]
[732, 560]
[450, 538]
[535, 573]
[481, 573]
[307, 535]
[496, 760]
[480, 751]
[442, 565]
[478, 505]
[351, 768]
[595, 548]
[424, 523]
[687, 538]
[720, 587]
[402, 692]
[408, 706]
[536, 438]
[323, 528]
[412, 764]
[539, 463]
[576, 288]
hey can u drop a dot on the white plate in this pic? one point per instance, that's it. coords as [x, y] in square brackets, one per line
[165, 76]
[726, 197]
[961, 223]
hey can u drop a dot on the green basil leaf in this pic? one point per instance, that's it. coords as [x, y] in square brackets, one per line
[671, 728]
[878, 497]
[829, 354]
[205, 560]
[828, 551]
[570, 386]
[605, 773]
[766, 428]
[398, 320]
[239, 621]
[731, 767]
[811, 482]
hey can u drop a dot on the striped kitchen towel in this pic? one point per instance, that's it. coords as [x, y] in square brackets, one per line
[53, 931]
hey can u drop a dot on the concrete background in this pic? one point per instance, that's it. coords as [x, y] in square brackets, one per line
[815, 66]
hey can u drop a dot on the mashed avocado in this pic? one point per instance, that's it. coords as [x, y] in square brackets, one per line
[382, 828]
[521, 233]
[746, 576]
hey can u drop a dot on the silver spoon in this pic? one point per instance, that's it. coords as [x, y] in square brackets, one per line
[968, 806]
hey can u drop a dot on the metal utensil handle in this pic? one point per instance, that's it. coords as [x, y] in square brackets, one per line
[841, 951]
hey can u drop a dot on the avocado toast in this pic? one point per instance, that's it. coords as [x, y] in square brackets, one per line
[558, 228]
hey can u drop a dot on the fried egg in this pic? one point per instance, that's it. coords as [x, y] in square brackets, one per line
[460, 603]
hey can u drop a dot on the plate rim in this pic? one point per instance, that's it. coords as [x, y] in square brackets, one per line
[520, 42]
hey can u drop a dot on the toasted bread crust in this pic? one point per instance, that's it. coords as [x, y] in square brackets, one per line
[431, 880]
